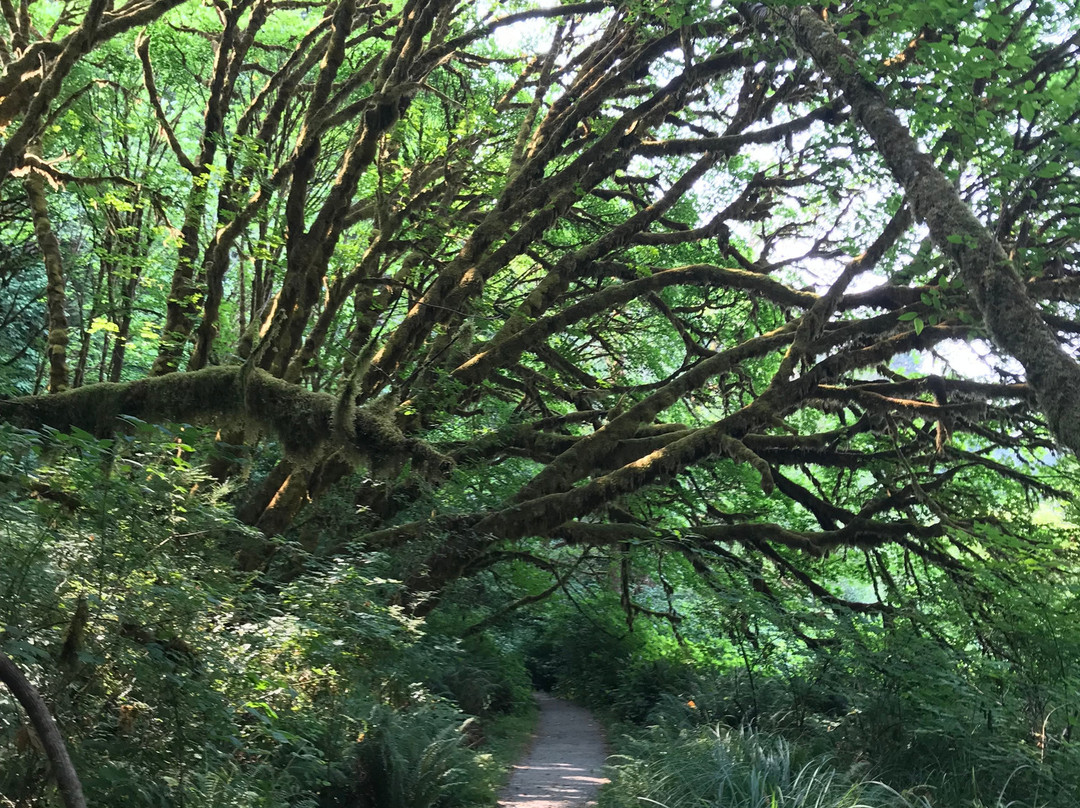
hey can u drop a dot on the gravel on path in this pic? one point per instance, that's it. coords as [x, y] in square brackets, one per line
[563, 766]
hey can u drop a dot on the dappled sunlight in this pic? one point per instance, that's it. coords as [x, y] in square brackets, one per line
[562, 770]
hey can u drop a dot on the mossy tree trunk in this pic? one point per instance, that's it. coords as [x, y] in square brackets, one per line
[1012, 318]
[56, 340]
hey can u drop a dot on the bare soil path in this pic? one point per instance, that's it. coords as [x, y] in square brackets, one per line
[563, 766]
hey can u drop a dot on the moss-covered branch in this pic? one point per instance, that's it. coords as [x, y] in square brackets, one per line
[227, 397]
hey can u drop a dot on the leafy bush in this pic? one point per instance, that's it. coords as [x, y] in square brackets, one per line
[177, 678]
[965, 694]
[594, 658]
[418, 759]
[482, 677]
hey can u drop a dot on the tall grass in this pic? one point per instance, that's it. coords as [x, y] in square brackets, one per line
[717, 767]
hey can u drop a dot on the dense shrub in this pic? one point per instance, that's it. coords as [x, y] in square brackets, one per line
[418, 758]
[916, 702]
[482, 678]
[178, 679]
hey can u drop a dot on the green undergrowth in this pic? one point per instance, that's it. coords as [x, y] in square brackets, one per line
[721, 767]
[508, 738]
[179, 679]
[881, 719]
[703, 767]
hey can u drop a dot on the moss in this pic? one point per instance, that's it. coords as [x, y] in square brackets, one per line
[385, 444]
[301, 420]
[236, 399]
[741, 453]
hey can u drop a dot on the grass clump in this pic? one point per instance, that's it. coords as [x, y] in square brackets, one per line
[719, 767]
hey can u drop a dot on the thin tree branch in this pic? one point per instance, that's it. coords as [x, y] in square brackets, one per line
[67, 779]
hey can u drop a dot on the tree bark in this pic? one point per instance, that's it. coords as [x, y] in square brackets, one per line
[67, 780]
[1012, 318]
[310, 426]
[187, 290]
[56, 341]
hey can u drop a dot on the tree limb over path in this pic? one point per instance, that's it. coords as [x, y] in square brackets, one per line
[588, 270]
[234, 397]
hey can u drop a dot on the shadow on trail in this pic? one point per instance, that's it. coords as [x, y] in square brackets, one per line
[563, 766]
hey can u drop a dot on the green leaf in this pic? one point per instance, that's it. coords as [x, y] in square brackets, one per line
[102, 324]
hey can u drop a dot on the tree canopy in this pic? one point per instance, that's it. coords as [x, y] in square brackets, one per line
[564, 284]
[767, 302]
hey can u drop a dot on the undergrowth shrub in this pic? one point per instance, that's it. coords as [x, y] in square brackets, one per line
[718, 767]
[916, 701]
[177, 678]
[418, 759]
[483, 678]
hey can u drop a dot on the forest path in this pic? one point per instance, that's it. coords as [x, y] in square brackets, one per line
[562, 767]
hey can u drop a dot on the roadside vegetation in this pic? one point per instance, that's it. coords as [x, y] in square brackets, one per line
[179, 680]
[912, 713]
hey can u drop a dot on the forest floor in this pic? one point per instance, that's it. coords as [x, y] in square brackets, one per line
[562, 768]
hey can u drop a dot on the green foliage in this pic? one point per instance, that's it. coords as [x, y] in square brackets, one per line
[714, 767]
[177, 679]
[483, 678]
[965, 697]
[22, 315]
[809, 557]
[418, 759]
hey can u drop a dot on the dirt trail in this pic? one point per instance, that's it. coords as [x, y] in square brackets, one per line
[562, 768]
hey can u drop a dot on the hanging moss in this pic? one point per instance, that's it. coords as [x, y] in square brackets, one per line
[229, 398]
[300, 419]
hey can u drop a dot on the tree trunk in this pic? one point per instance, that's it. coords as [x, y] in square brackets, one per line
[56, 341]
[67, 780]
[1012, 319]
